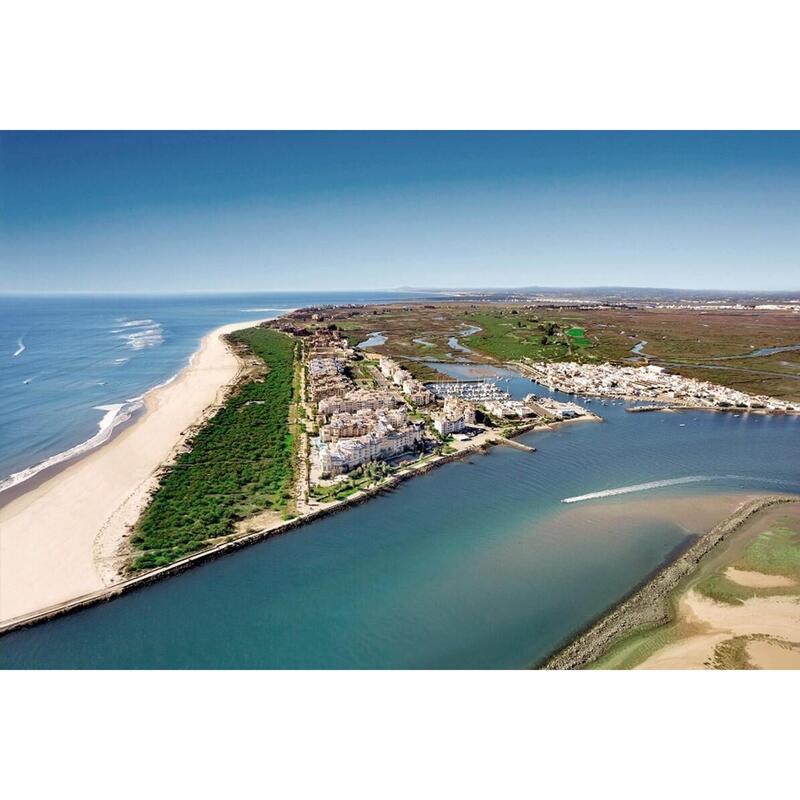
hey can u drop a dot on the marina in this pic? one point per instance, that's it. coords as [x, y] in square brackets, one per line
[472, 390]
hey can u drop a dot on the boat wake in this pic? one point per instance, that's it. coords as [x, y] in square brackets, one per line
[643, 487]
[20, 348]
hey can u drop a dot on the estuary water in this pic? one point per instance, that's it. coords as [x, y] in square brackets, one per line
[478, 564]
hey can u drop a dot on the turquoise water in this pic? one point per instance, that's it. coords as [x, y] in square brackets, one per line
[476, 565]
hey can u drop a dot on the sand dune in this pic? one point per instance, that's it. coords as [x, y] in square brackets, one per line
[769, 655]
[756, 580]
[57, 541]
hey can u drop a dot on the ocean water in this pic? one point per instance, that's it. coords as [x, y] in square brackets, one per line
[74, 367]
[478, 564]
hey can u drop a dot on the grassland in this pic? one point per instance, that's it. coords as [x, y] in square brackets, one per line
[707, 345]
[425, 332]
[239, 464]
[774, 552]
[509, 337]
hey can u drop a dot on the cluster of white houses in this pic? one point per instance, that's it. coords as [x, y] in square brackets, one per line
[650, 383]
[326, 356]
[356, 400]
[455, 415]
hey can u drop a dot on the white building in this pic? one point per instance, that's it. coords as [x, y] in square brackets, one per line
[355, 401]
[445, 425]
[382, 443]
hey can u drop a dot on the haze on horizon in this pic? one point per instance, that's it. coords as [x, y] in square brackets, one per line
[313, 211]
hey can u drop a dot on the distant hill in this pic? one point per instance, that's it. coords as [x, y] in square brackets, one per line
[613, 294]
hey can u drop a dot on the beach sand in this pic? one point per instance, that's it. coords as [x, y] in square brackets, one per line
[757, 580]
[767, 627]
[775, 617]
[61, 539]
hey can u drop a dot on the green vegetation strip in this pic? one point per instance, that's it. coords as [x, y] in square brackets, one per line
[775, 552]
[578, 336]
[240, 463]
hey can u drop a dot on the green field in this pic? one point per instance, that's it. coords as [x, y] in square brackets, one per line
[685, 340]
[240, 463]
[774, 552]
[578, 337]
[637, 646]
[508, 337]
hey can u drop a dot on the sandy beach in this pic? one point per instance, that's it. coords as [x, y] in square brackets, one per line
[776, 620]
[60, 540]
[628, 634]
[765, 629]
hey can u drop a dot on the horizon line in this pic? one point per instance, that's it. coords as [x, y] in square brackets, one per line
[393, 290]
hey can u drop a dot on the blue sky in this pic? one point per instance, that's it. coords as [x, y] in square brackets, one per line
[312, 211]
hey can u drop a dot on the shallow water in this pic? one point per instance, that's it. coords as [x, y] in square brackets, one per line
[764, 351]
[477, 564]
[375, 340]
[454, 344]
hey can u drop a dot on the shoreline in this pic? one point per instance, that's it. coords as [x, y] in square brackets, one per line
[48, 473]
[758, 629]
[101, 578]
[60, 535]
[217, 551]
[107, 544]
[116, 589]
[647, 604]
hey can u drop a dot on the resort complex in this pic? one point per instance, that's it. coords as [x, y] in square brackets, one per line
[362, 409]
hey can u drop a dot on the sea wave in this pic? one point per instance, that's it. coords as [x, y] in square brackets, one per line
[140, 333]
[20, 348]
[643, 487]
[136, 323]
[115, 414]
[149, 337]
